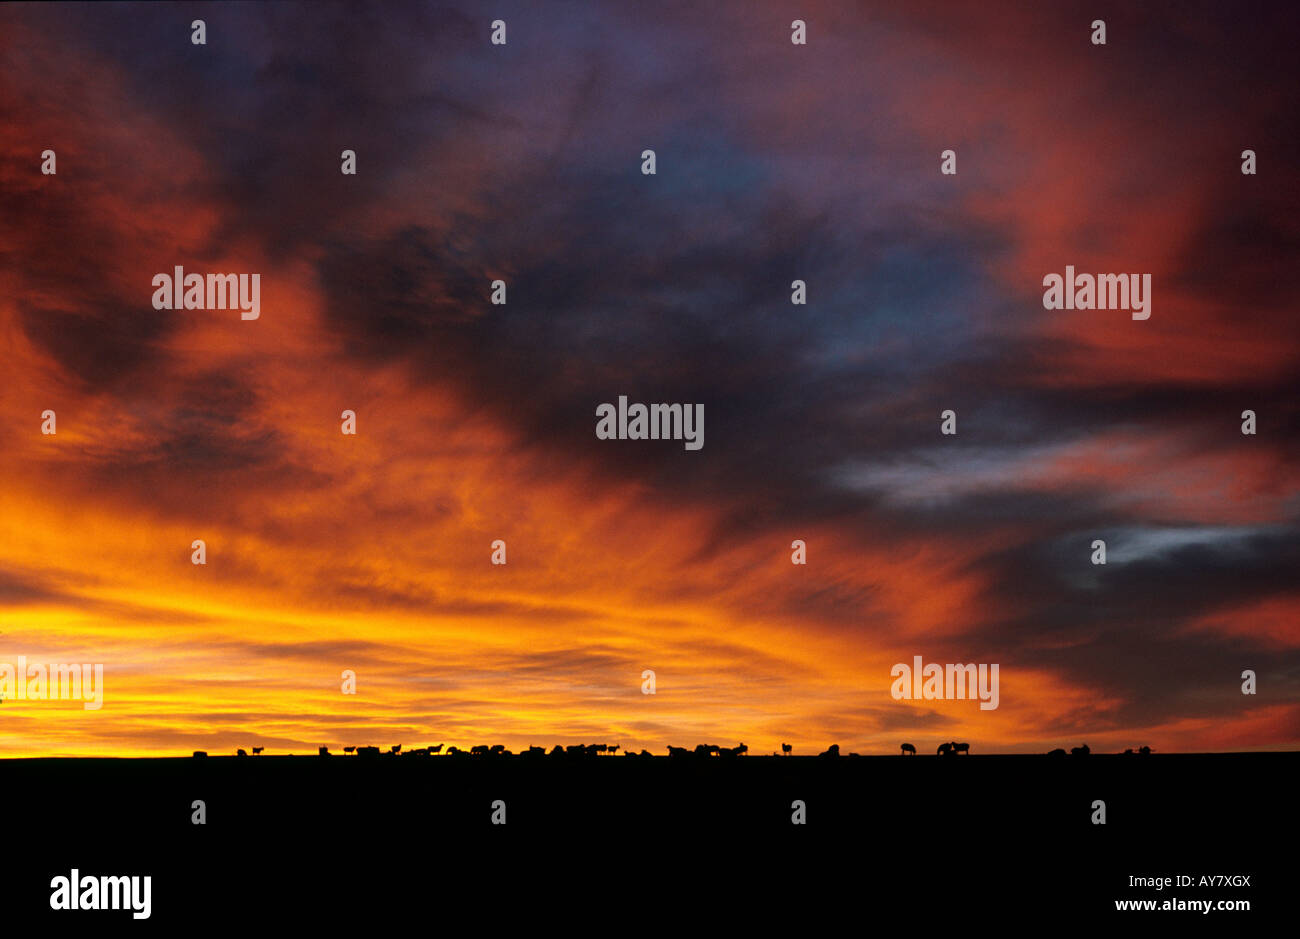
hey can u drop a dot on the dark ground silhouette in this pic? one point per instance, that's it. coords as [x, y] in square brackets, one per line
[1000, 834]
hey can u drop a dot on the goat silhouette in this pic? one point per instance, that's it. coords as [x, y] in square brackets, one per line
[906, 749]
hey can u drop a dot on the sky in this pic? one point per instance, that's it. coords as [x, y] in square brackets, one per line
[475, 422]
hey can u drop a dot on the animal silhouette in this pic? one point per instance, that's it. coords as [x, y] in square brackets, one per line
[1144, 751]
[786, 749]
[437, 749]
[257, 750]
[613, 748]
[241, 753]
[1057, 752]
[944, 749]
[345, 749]
[832, 750]
[906, 749]
[733, 751]
[961, 748]
[678, 751]
[1080, 751]
[396, 748]
[324, 751]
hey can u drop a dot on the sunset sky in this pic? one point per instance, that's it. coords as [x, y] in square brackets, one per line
[775, 162]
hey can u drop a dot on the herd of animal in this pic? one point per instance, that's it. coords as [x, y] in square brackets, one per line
[703, 750]
[1084, 751]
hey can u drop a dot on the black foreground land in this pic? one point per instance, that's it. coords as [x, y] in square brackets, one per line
[310, 839]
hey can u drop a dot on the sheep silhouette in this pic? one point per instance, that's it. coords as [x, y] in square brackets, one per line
[324, 751]
[733, 751]
[961, 748]
[907, 748]
[1057, 752]
[945, 749]
[1080, 751]
[786, 749]
[1144, 751]
[257, 750]
[678, 751]
[437, 749]
[613, 748]
[396, 748]
[345, 749]
[241, 753]
[832, 751]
